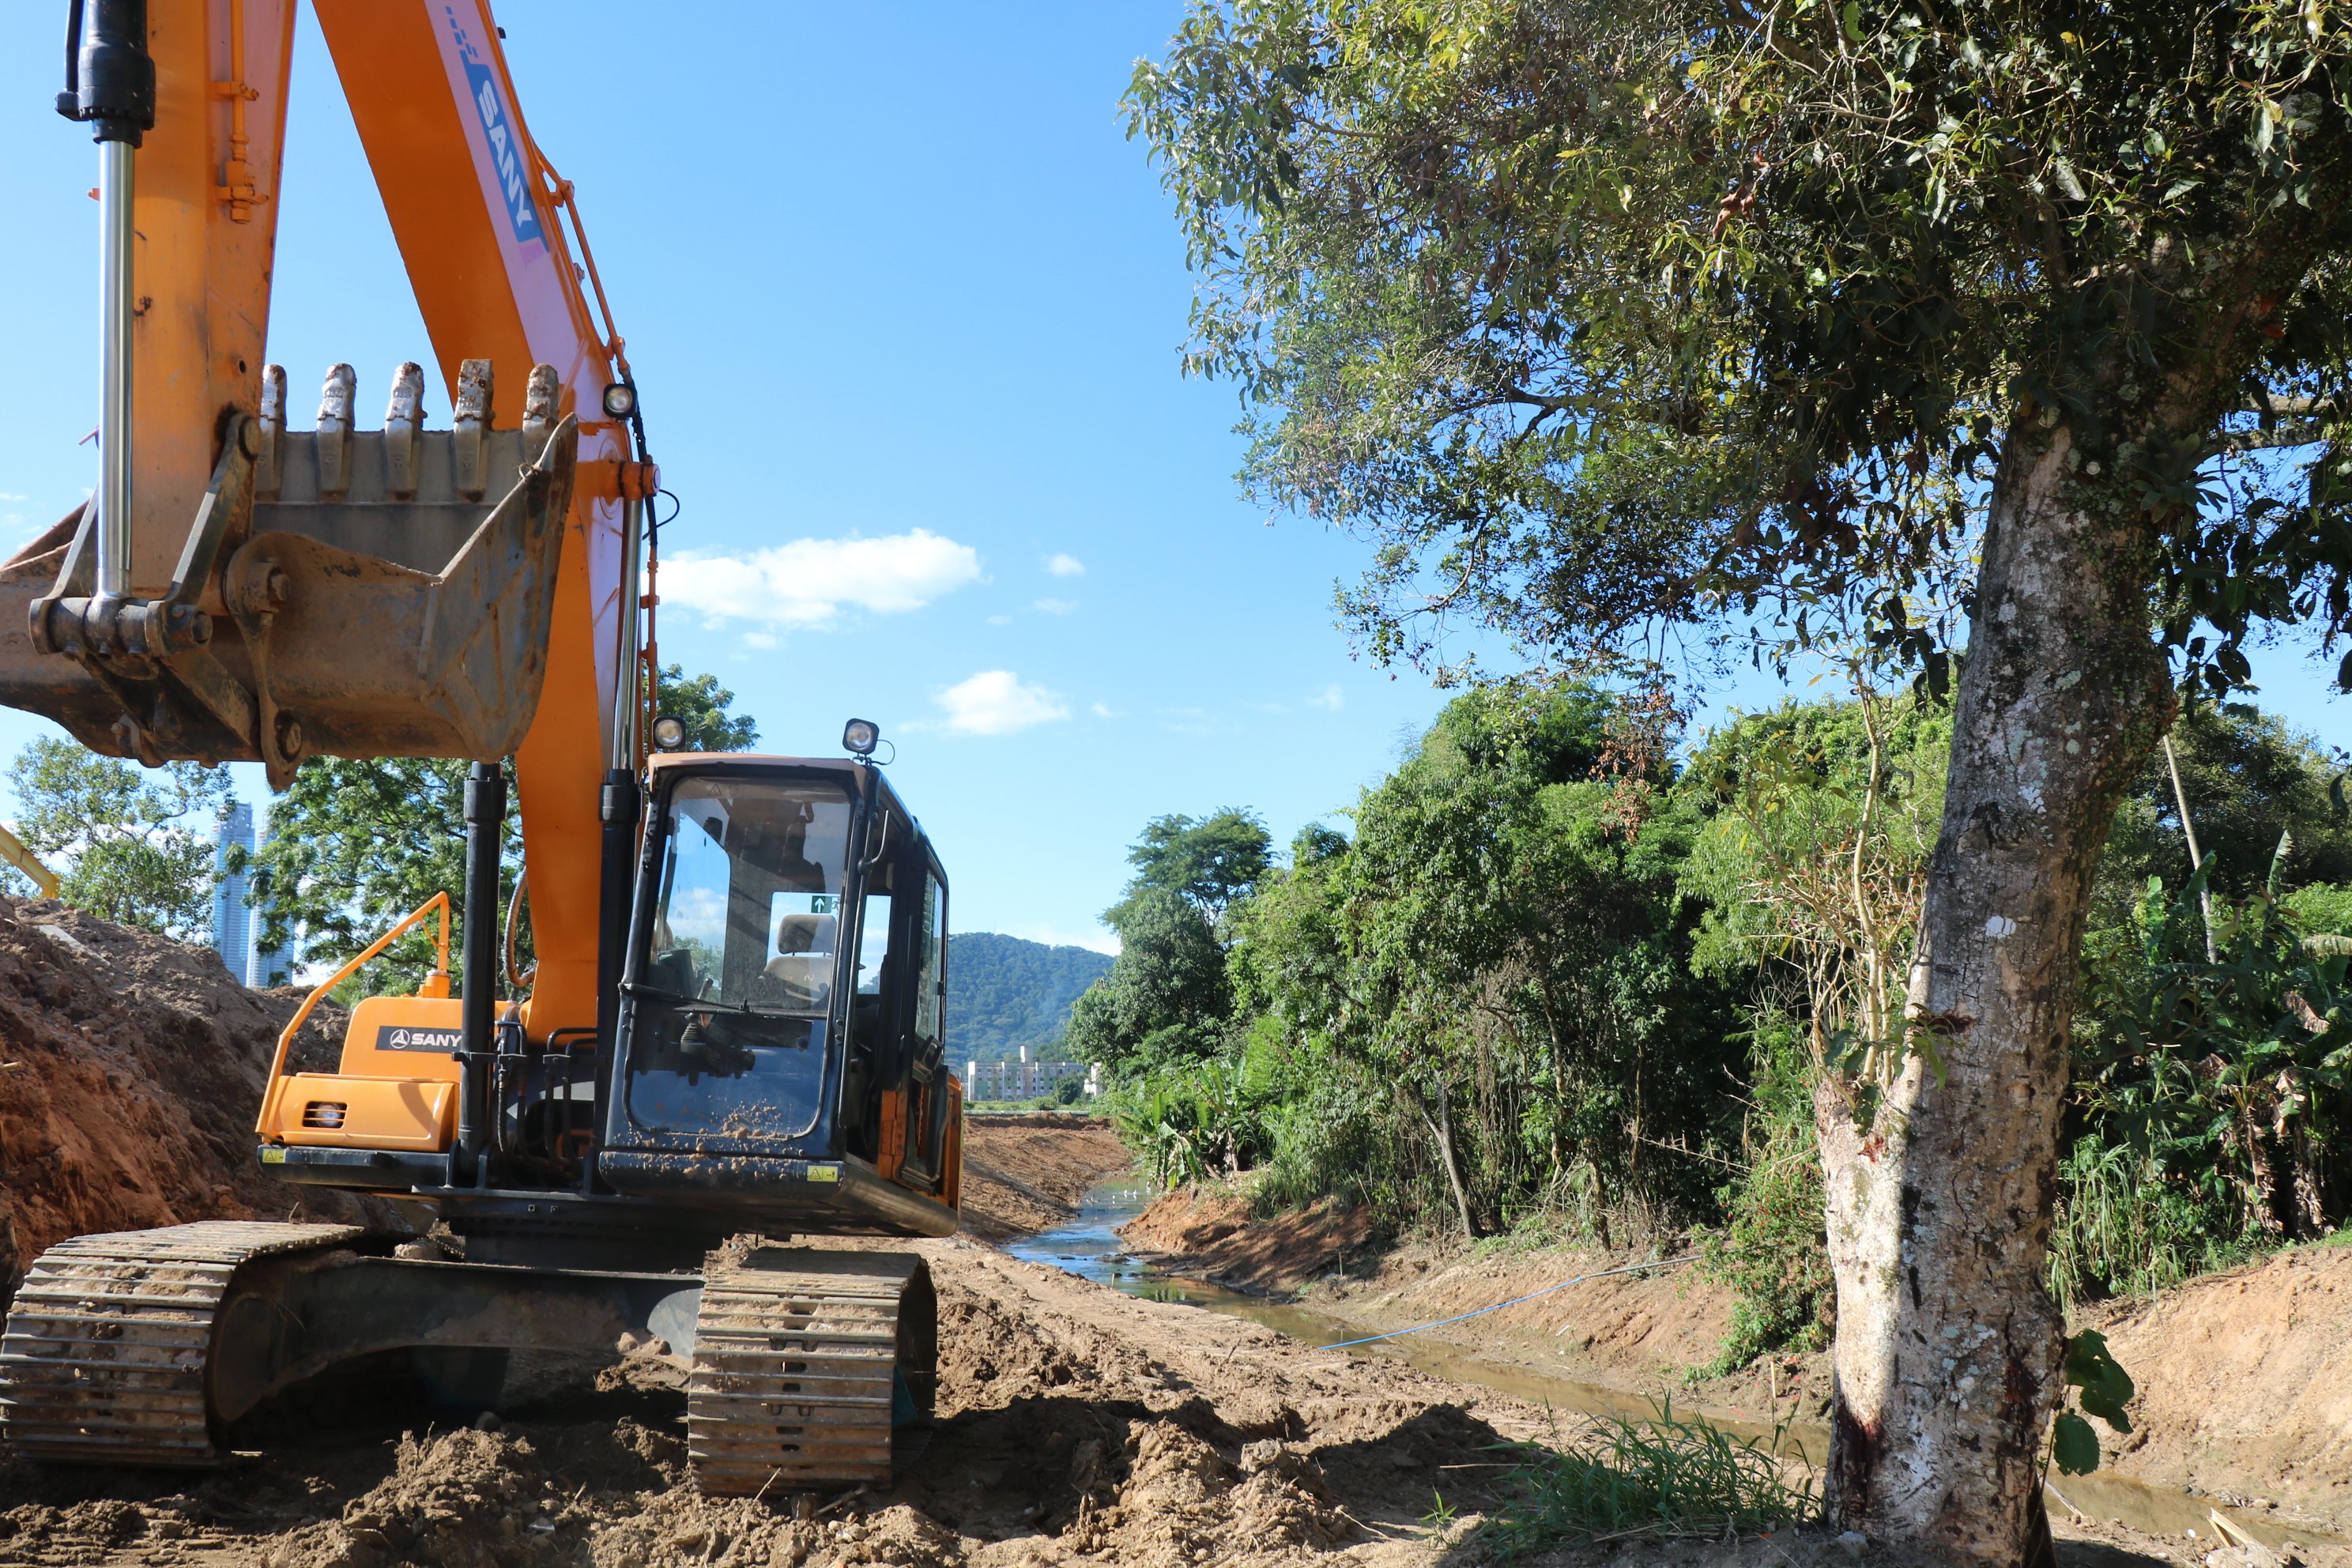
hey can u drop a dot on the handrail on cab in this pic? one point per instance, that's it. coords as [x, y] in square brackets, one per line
[436, 985]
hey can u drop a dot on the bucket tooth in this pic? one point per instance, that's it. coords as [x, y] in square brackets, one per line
[334, 435]
[401, 422]
[268, 462]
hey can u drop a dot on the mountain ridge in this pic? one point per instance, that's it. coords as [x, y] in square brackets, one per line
[1007, 992]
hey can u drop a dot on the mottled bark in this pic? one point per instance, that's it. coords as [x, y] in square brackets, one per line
[1442, 1129]
[1939, 1188]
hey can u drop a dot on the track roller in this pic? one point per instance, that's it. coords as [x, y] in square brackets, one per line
[103, 1359]
[801, 1359]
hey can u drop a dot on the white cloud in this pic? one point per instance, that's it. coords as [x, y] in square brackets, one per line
[1055, 607]
[808, 583]
[1331, 698]
[1104, 710]
[12, 495]
[999, 620]
[1063, 565]
[761, 642]
[999, 702]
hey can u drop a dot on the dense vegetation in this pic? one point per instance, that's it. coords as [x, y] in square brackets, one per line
[1557, 983]
[1628, 329]
[129, 844]
[1005, 993]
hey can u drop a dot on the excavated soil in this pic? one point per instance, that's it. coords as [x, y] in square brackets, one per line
[130, 1068]
[1026, 1174]
[1210, 1236]
[2245, 1382]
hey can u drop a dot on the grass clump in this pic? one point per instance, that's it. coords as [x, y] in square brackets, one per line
[1626, 1479]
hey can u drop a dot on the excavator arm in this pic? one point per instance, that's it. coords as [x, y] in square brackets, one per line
[241, 589]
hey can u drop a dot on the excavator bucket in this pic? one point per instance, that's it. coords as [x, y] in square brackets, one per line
[340, 592]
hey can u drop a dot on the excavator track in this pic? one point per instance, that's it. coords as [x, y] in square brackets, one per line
[103, 1359]
[800, 1357]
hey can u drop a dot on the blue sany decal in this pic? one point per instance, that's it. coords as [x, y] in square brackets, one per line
[498, 129]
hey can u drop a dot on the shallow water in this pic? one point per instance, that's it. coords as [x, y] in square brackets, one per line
[1090, 1247]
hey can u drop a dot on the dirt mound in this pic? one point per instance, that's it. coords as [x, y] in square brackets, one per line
[131, 1069]
[1024, 1173]
[1210, 1236]
[2246, 1385]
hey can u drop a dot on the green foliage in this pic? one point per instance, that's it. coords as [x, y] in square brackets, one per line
[2231, 1078]
[701, 704]
[1201, 1120]
[1601, 319]
[1769, 1250]
[2101, 1387]
[1487, 992]
[129, 845]
[1209, 862]
[2132, 1220]
[2249, 778]
[1814, 865]
[1167, 999]
[1661, 1478]
[1005, 993]
[2322, 908]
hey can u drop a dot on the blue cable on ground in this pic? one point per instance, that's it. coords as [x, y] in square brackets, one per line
[1458, 1316]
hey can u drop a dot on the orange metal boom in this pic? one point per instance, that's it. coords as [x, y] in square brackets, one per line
[495, 278]
[480, 218]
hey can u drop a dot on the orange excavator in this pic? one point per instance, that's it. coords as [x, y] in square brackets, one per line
[732, 1037]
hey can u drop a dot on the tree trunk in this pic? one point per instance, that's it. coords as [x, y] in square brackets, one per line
[1940, 1182]
[1441, 1127]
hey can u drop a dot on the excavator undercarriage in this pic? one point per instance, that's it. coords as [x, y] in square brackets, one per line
[142, 1348]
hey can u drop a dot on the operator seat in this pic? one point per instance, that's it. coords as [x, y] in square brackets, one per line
[802, 967]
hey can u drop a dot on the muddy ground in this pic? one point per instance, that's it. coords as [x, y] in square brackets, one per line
[1074, 1424]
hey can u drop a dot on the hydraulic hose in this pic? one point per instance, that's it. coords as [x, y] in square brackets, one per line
[486, 810]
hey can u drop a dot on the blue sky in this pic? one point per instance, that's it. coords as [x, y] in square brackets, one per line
[904, 306]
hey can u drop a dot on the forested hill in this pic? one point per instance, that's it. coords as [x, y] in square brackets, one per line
[1005, 992]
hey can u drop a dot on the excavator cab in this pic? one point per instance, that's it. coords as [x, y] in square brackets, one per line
[777, 1058]
[784, 997]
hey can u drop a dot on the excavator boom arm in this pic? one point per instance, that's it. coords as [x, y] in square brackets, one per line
[273, 592]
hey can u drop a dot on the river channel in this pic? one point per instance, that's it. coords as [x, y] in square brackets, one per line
[1090, 1246]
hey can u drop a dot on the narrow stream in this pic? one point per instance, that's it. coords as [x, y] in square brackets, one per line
[1090, 1247]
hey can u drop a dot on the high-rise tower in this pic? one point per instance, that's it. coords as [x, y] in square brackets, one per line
[232, 920]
